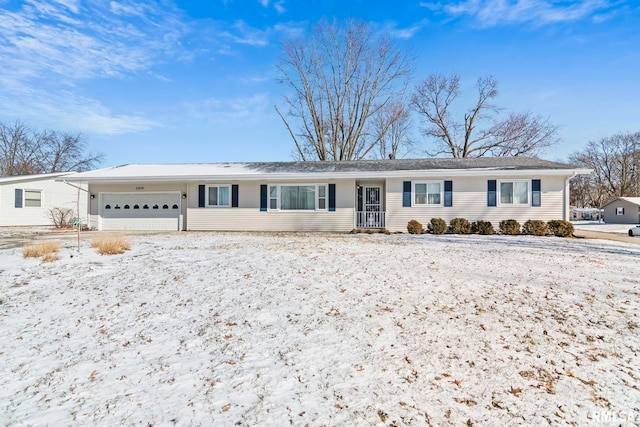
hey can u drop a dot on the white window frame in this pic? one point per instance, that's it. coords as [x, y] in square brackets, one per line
[218, 186]
[32, 190]
[619, 211]
[513, 181]
[316, 197]
[427, 204]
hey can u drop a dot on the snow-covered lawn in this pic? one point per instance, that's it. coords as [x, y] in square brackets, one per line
[603, 227]
[317, 329]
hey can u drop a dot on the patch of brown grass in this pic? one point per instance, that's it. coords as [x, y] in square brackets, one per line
[47, 250]
[111, 245]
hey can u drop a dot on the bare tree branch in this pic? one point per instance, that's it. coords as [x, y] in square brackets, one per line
[615, 162]
[481, 132]
[24, 151]
[340, 77]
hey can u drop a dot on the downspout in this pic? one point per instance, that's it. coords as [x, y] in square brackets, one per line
[567, 197]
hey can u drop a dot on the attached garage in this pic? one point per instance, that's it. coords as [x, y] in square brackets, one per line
[140, 211]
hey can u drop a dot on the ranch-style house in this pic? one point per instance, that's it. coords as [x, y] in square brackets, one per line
[325, 196]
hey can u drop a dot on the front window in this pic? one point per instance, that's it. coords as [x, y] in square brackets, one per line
[298, 197]
[218, 195]
[427, 193]
[514, 193]
[32, 198]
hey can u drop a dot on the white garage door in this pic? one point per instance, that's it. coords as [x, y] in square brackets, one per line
[140, 211]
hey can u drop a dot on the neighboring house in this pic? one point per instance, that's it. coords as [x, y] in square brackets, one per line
[326, 196]
[586, 214]
[26, 200]
[623, 210]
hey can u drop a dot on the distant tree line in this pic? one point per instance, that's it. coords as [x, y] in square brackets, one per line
[350, 98]
[26, 151]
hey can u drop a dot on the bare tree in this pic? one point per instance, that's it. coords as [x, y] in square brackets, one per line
[482, 132]
[340, 77]
[392, 125]
[24, 151]
[615, 162]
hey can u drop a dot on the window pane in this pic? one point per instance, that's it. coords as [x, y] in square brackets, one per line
[273, 197]
[420, 194]
[434, 193]
[506, 192]
[223, 196]
[521, 192]
[322, 204]
[32, 199]
[297, 197]
[322, 191]
[213, 196]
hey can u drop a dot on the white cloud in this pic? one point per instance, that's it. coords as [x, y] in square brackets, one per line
[65, 42]
[431, 6]
[234, 110]
[405, 32]
[243, 34]
[64, 109]
[490, 13]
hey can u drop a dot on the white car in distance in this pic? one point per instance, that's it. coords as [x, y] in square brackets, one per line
[635, 231]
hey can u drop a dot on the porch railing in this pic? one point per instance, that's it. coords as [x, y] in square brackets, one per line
[370, 219]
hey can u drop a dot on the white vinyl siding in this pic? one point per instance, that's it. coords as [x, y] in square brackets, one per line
[470, 195]
[47, 194]
[248, 217]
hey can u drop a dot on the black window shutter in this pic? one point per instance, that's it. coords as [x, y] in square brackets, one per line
[234, 196]
[491, 193]
[448, 194]
[201, 196]
[332, 197]
[263, 197]
[18, 197]
[406, 194]
[536, 194]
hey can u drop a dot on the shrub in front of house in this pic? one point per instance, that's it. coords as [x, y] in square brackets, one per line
[437, 226]
[414, 227]
[560, 228]
[482, 227]
[459, 226]
[535, 227]
[509, 226]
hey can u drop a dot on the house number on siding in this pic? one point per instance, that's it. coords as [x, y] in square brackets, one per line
[139, 188]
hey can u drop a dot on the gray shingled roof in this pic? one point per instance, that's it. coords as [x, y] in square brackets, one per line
[295, 170]
[513, 163]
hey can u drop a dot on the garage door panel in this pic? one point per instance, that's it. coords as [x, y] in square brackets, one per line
[140, 211]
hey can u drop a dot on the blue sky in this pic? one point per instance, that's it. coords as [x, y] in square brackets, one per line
[195, 81]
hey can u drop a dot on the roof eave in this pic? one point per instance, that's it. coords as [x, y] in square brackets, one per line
[431, 173]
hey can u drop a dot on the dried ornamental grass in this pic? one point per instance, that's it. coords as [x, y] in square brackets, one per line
[111, 245]
[42, 249]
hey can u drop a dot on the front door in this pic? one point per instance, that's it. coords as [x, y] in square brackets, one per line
[373, 206]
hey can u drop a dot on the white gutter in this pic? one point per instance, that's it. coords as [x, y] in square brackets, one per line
[335, 175]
